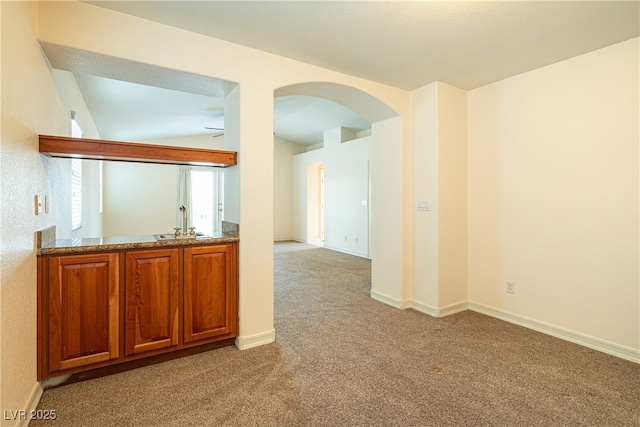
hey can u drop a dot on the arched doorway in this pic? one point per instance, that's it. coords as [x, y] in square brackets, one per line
[386, 190]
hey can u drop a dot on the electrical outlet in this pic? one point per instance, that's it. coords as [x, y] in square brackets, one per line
[511, 287]
[424, 205]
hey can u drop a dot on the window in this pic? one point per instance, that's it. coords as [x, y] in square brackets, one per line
[100, 185]
[76, 194]
[76, 180]
[201, 192]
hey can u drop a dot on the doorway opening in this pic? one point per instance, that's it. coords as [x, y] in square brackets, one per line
[365, 218]
[315, 204]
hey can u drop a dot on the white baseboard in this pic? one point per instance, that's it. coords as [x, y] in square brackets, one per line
[438, 312]
[613, 349]
[256, 340]
[598, 344]
[347, 251]
[389, 300]
[424, 308]
[419, 306]
[458, 307]
[31, 405]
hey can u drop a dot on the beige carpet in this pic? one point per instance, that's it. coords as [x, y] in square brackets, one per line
[343, 359]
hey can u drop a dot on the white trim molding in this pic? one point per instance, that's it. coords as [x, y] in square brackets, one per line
[419, 306]
[31, 405]
[424, 308]
[613, 349]
[256, 340]
[439, 312]
[457, 307]
[386, 299]
[346, 251]
[594, 343]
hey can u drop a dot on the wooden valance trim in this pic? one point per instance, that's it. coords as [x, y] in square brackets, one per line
[99, 149]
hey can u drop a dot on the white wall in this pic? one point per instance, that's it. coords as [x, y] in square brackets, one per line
[31, 105]
[440, 178]
[283, 219]
[139, 199]
[424, 103]
[391, 255]
[346, 193]
[451, 203]
[346, 187]
[553, 198]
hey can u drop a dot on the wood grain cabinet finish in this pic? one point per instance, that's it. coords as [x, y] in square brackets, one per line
[83, 310]
[100, 149]
[210, 292]
[102, 309]
[152, 296]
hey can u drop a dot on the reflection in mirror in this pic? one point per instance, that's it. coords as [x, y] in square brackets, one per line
[125, 199]
[143, 199]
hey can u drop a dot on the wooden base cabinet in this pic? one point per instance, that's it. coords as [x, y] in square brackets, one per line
[101, 309]
[210, 304]
[83, 310]
[152, 297]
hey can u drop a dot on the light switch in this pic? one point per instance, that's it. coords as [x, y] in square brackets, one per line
[38, 202]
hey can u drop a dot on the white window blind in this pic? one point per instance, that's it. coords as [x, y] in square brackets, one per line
[76, 194]
[76, 180]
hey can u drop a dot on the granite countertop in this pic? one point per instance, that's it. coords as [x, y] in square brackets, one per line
[47, 244]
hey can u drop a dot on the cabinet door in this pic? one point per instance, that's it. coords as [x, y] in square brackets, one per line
[210, 292]
[152, 289]
[83, 310]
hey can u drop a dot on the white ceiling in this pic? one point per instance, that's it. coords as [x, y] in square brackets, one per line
[134, 112]
[406, 44]
[125, 111]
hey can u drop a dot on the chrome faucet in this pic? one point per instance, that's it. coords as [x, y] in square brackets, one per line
[184, 220]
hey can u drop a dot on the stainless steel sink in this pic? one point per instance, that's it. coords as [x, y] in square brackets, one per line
[172, 236]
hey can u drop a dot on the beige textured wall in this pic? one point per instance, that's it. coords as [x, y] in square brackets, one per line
[31, 105]
[553, 195]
